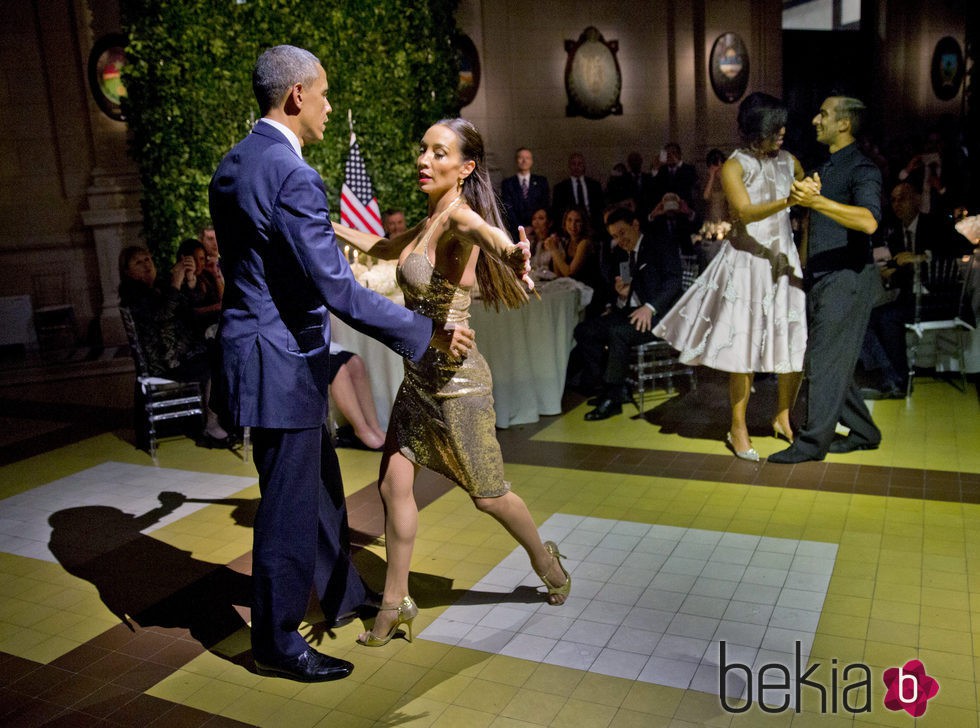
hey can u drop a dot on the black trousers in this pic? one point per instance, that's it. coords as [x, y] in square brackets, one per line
[838, 308]
[604, 344]
[301, 539]
[884, 344]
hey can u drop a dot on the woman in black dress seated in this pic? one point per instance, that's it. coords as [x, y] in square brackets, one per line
[165, 325]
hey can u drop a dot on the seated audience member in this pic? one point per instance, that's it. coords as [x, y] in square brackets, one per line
[538, 233]
[200, 287]
[648, 284]
[522, 193]
[350, 391]
[212, 262]
[673, 174]
[913, 238]
[573, 253]
[578, 191]
[571, 248]
[393, 222]
[165, 325]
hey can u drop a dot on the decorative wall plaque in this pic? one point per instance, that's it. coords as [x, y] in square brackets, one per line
[592, 76]
[469, 70]
[729, 67]
[947, 68]
[105, 64]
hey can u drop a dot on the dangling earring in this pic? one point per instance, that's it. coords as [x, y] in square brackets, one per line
[459, 185]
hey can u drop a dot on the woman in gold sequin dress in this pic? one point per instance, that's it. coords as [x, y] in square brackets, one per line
[443, 416]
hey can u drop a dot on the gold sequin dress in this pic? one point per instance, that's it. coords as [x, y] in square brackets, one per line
[443, 415]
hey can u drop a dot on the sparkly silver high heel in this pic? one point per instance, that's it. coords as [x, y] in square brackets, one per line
[751, 454]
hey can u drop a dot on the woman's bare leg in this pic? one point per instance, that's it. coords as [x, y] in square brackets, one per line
[343, 390]
[788, 388]
[397, 486]
[362, 389]
[512, 513]
[739, 389]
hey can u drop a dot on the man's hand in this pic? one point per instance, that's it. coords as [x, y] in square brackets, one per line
[805, 191]
[642, 318]
[453, 339]
[907, 258]
[622, 289]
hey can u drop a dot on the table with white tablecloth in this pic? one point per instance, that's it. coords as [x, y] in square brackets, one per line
[527, 350]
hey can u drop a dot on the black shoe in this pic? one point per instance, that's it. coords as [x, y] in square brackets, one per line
[310, 666]
[844, 445]
[604, 410]
[365, 610]
[792, 455]
[215, 443]
[871, 393]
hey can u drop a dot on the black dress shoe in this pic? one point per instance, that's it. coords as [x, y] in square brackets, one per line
[888, 393]
[605, 409]
[792, 455]
[310, 666]
[845, 445]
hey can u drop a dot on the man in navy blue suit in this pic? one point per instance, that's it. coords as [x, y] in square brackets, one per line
[523, 193]
[284, 274]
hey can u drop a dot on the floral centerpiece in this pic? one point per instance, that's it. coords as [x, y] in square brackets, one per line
[713, 230]
[378, 275]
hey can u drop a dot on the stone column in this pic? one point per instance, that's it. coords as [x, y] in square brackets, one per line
[115, 219]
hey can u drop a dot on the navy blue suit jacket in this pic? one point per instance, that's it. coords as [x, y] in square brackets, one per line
[518, 209]
[284, 273]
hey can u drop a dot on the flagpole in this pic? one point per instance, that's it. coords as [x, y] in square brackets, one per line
[350, 124]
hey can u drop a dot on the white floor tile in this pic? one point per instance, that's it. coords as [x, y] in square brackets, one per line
[653, 603]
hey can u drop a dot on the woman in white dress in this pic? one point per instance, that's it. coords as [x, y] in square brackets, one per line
[746, 313]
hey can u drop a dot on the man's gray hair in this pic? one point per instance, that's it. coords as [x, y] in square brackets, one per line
[278, 69]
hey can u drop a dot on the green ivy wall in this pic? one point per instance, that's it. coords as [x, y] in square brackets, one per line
[189, 92]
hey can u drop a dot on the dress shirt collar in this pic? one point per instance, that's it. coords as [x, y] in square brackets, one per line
[288, 133]
[913, 226]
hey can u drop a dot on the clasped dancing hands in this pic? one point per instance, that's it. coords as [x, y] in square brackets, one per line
[804, 191]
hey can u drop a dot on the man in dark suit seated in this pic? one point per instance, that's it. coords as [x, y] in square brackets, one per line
[578, 191]
[284, 275]
[913, 238]
[523, 193]
[647, 286]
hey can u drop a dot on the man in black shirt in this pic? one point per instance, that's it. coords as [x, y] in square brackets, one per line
[844, 198]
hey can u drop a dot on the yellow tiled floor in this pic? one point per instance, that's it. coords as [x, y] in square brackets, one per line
[906, 585]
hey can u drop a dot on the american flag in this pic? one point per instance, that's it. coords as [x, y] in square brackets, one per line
[358, 205]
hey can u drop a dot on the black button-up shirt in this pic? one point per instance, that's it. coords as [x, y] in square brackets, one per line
[850, 178]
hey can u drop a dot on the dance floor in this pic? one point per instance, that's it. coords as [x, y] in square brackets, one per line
[696, 578]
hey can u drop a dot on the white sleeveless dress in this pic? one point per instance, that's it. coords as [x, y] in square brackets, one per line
[747, 311]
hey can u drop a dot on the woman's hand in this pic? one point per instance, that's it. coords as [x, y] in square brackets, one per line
[520, 259]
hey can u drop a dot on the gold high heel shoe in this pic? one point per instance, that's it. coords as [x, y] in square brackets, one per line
[407, 611]
[779, 433]
[556, 591]
[751, 454]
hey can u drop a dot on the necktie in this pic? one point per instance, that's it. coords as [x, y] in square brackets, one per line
[581, 197]
[524, 187]
[909, 241]
[576, 191]
[632, 262]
